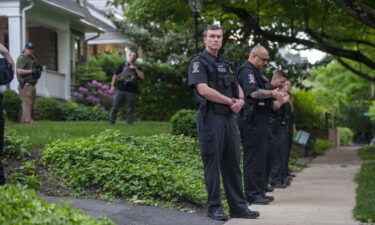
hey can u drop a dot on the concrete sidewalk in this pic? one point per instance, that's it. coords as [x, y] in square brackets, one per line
[322, 194]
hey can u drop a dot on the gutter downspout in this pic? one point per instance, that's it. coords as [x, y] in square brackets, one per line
[86, 42]
[23, 13]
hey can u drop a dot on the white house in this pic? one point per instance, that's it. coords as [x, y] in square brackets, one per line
[111, 40]
[57, 28]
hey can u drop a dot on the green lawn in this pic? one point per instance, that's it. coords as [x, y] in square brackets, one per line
[45, 132]
[365, 205]
[367, 152]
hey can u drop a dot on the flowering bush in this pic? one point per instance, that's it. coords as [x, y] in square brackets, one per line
[94, 93]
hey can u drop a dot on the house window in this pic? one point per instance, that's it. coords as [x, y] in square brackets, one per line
[45, 42]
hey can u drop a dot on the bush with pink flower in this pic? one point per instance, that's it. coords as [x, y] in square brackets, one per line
[94, 93]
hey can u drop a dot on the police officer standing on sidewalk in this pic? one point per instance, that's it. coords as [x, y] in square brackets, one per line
[216, 89]
[277, 156]
[254, 122]
[28, 73]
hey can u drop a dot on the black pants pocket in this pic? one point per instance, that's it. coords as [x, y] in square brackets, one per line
[206, 141]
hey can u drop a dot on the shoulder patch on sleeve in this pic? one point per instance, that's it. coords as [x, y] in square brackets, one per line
[251, 78]
[195, 67]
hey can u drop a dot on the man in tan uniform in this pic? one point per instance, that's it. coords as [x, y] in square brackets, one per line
[28, 73]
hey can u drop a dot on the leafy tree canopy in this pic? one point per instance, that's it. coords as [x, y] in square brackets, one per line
[342, 28]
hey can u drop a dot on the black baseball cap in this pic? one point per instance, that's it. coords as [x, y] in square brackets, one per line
[29, 45]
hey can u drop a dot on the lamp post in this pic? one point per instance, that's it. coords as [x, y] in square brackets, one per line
[195, 6]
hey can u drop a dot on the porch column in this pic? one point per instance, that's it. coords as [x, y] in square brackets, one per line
[64, 59]
[15, 48]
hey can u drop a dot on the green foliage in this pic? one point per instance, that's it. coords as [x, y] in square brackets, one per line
[45, 132]
[364, 210]
[15, 146]
[107, 62]
[164, 91]
[23, 206]
[321, 145]
[29, 181]
[89, 72]
[367, 152]
[344, 95]
[346, 136]
[140, 168]
[323, 25]
[184, 122]
[48, 109]
[308, 112]
[73, 112]
[94, 93]
[12, 105]
[29, 167]
[372, 111]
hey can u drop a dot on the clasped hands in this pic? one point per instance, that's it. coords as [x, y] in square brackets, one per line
[237, 104]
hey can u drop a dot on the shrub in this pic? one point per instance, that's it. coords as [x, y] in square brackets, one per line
[73, 112]
[184, 122]
[23, 206]
[89, 72]
[12, 105]
[31, 181]
[164, 91]
[48, 109]
[148, 168]
[307, 110]
[321, 145]
[107, 62]
[94, 93]
[346, 136]
[15, 146]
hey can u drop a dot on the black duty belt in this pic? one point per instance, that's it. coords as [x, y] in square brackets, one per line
[29, 84]
[220, 109]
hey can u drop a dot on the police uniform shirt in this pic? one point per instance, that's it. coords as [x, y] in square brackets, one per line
[250, 79]
[128, 86]
[198, 72]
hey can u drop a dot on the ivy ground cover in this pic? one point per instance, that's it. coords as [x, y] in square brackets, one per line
[143, 169]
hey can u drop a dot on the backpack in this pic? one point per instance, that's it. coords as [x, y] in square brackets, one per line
[6, 72]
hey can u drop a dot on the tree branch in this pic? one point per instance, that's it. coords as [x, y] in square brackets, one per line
[320, 44]
[359, 11]
[353, 70]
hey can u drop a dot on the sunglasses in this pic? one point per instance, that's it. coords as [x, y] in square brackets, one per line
[263, 59]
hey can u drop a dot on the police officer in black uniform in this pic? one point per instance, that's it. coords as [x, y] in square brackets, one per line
[278, 146]
[254, 122]
[216, 89]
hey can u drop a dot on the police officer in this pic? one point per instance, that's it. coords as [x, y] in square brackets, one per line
[28, 73]
[290, 129]
[125, 85]
[3, 54]
[254, 122]
[278, 145]
[216, 88]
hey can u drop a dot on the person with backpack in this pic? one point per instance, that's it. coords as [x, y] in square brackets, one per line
[6, 76]
[125, 84]
[28, 73]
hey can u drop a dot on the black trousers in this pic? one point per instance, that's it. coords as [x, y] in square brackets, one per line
[254, 135]
[2, 124]
[279, 153]
[289, 143]
[219, 144]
